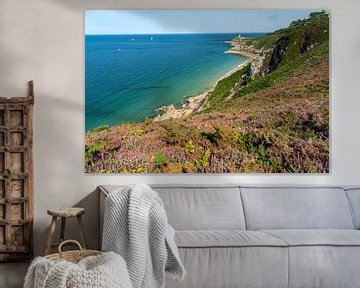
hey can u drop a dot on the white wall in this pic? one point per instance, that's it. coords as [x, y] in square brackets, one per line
[43, 40]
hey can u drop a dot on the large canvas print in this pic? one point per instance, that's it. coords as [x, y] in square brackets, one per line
[206, 91]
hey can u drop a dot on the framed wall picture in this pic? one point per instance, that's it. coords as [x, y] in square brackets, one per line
[206, 91]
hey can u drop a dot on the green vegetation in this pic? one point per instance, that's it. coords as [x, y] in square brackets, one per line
[92, 149]
[315, 28]
[268, 40]
[101, 128]
[301, 62]
[223, 87]
[190, 148]
[160, 160]
[274, 122]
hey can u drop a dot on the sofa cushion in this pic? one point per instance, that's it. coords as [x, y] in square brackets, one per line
[204, 208]
[322, 258]
[191, 207]
[296, 208]
[324, 266]
[226, 238]
[354, 198]
[338, 237]
[220, 267]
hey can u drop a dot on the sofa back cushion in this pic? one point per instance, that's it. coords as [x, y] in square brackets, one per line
[354, 198]
[296, 208]
[203, 208]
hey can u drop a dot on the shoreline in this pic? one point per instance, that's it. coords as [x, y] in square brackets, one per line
[196, 103]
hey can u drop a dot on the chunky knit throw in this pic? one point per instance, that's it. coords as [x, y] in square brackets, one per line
[136, 227]
[102, 271]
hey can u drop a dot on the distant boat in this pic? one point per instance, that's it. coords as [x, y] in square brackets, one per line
[151, 38]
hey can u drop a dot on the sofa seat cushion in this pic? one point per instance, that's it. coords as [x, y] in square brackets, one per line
[317, 237]
[225, 238]
[233, 267]
[322, 258]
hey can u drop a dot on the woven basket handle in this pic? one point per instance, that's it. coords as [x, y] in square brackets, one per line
[69, 241]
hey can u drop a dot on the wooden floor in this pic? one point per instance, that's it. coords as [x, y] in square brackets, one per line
[12, 274]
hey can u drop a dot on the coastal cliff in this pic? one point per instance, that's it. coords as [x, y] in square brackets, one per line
[269, 115]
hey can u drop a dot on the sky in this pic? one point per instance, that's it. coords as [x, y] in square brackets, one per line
[188, 21]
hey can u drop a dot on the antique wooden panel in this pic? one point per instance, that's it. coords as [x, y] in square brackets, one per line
[16, 177]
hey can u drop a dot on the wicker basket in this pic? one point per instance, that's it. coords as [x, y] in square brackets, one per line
[72, 256]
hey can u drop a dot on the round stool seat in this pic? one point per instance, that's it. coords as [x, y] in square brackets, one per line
[66, 211]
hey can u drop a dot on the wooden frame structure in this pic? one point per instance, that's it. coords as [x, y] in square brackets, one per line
[16, 177]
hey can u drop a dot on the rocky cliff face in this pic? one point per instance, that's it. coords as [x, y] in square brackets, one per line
[259, 64]
[264, 60]
[277, 53]
[269, 59]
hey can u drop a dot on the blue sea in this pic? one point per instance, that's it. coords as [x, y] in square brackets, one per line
[129, 76]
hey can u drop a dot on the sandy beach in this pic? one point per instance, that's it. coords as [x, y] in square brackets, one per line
[239, 67]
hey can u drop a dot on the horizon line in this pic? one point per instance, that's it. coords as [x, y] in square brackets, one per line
[181, 33]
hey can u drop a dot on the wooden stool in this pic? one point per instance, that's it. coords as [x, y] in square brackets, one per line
[64, 213]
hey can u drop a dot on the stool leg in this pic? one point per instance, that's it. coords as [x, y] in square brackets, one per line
[62, 230]
[51, 235]
[82, 232]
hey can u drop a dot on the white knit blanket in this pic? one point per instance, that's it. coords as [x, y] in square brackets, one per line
[136, 227]
[103, 271]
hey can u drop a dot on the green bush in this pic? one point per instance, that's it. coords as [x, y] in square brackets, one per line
[92, 149]
[101, 128]
[160, 160]
[189, 147]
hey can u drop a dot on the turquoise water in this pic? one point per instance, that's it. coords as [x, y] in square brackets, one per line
[129, 76]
